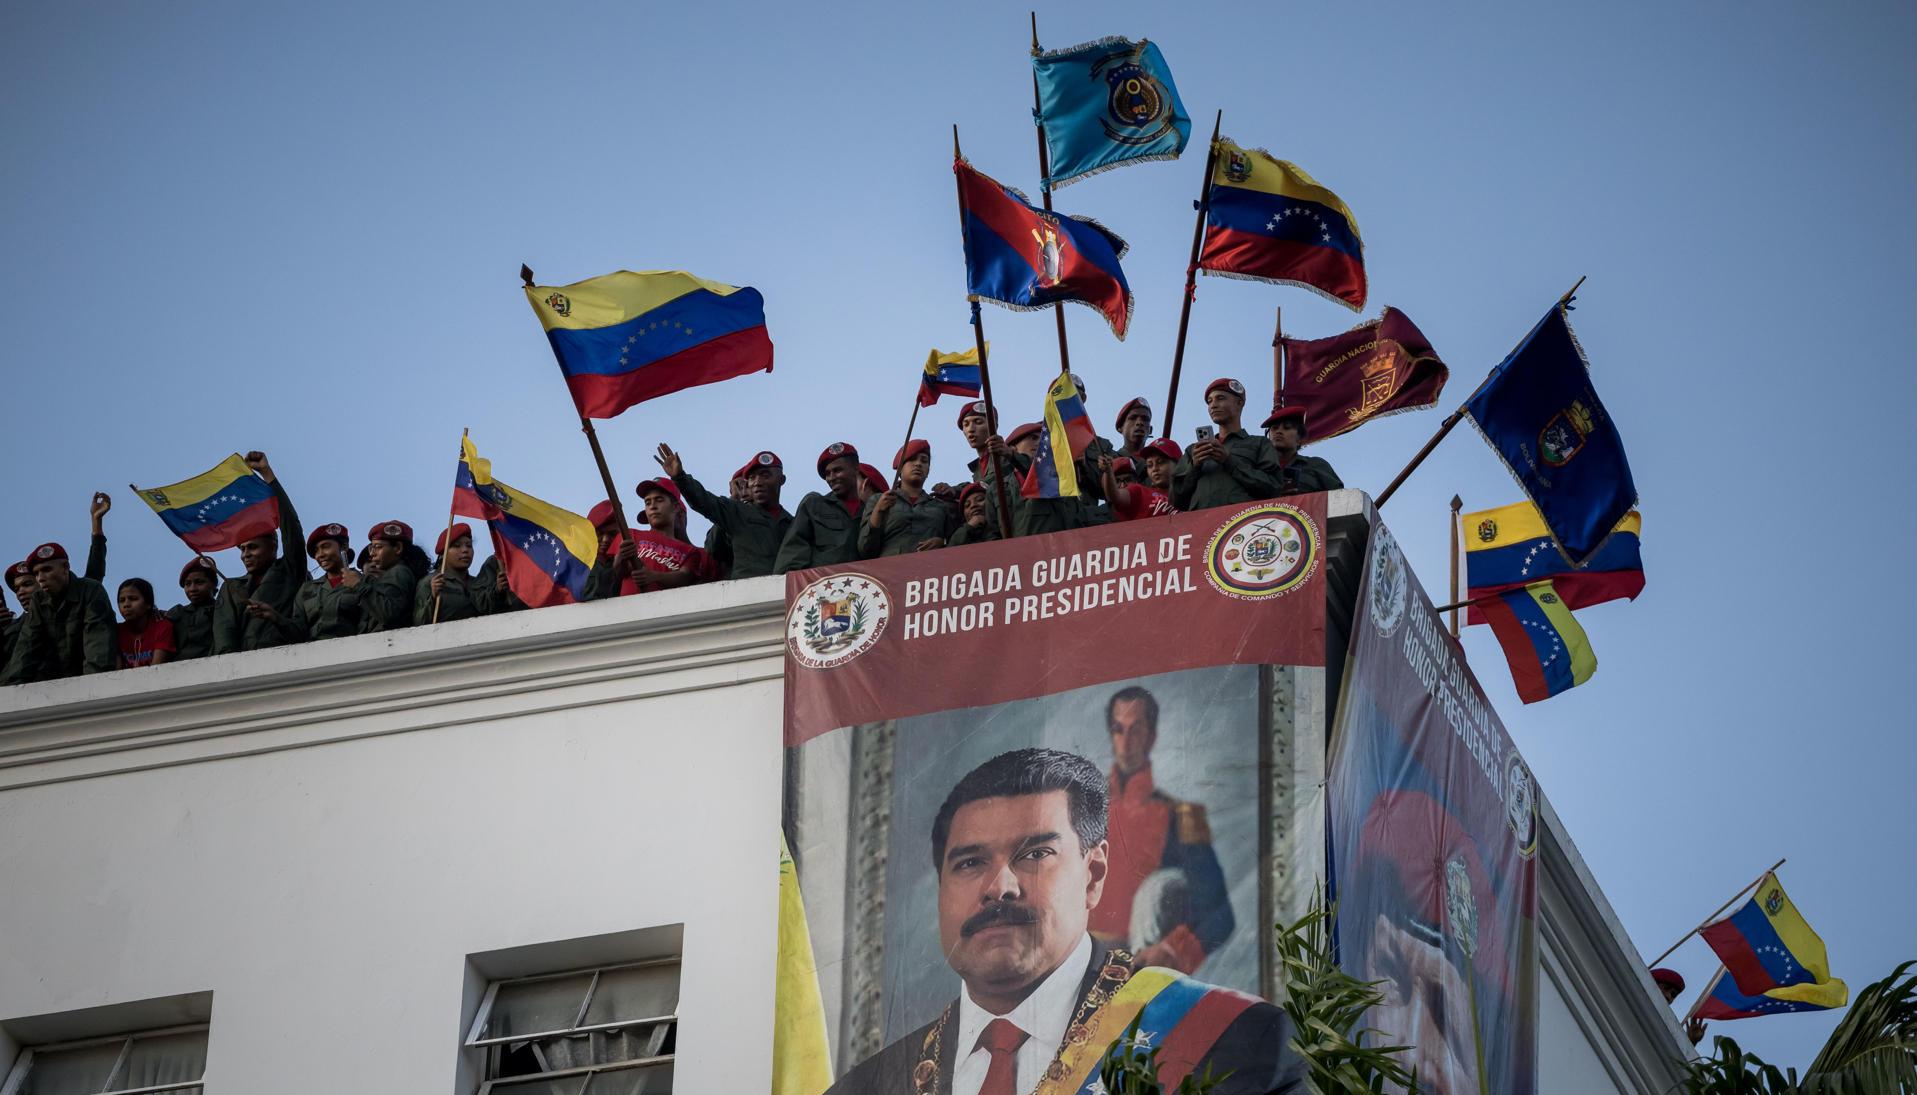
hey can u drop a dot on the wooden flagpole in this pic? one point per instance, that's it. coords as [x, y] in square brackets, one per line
[1278, 355]
[598, 454]
[1457, 507]
[910, 424]
[1446, 426]
[1720, 909]
[1045, 192]
[452, 518]
[1203, 205]
[984, 368]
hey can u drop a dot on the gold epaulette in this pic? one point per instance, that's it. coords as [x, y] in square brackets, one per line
[1191, 823]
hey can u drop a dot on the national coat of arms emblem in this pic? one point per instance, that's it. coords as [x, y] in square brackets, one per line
[836, 619]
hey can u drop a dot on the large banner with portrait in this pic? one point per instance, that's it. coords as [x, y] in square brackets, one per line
[1039, 789]
[1434, 826]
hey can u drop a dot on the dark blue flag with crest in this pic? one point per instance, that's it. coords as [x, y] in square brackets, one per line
[1540, 412]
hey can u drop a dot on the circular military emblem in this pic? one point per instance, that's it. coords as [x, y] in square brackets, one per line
[1521, 804]
[837, 448]
[1461, 906]
[393, 530]
[1236, 388]
[1390, 581]
[334, 530]
[558, 303]
[836, 619]
[1265, 551]
[45, 551]
[765, 459]
[1487, 530]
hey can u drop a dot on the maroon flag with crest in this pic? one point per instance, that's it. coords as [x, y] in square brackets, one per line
[1376, 368]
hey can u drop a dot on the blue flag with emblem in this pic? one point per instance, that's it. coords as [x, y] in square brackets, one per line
[1106, 104]
[1540, 412]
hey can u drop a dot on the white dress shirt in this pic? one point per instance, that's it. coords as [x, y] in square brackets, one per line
[1043, 1016]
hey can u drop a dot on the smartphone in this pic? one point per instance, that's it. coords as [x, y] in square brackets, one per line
[1204, 433]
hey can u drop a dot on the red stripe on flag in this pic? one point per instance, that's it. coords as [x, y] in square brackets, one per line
[1738, 956]
[1577, 589]
[529, 583]
[262, 518]
[1526, 671]
[1197, 1032]
[736, 354]
[1230, 251]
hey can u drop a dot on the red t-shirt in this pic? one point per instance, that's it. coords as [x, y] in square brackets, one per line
[666, 555]
[1135, 500]
[138, 647]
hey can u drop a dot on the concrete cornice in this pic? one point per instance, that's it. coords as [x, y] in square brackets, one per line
[296, 696]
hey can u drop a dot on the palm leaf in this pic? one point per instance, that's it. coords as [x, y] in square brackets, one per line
[1874, 1048]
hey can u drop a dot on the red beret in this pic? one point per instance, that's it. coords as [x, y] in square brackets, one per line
[1664, 975]
[200, 563]
[46, 553]
[18, 570]
[1128, 464]
[759, 460]
[969, 490]
[1137, 404]
[1164, 447]
[835, 450]
[1021, 433]
[1225, 383]
[391, 530]
[976, 407]
[1285, 414]
[601, 515]
[335, 532]
[912, 448]
[451, 536]
[875, 477]
[664, 484]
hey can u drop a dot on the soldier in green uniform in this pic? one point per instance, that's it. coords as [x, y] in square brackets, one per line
[1134, 428]
[981, 432]
[249, 610]
[1299, 474]
[20, 580]
[69, 628]
[718, 546]
[326, 607]
[755, 524]
[1232, 468]
[96, 546]
[974, 524]
[193, 621]
[492, 592]
[601, 583]
[386, 592]
[451, 583]
[825, 527]
[1098, 446]
[906, 518]
[1034, 516]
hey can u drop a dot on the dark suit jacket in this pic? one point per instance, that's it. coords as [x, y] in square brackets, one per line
[1255, 1050]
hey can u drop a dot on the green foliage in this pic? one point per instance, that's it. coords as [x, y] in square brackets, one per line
[1873, 1051]
[1326, 1004]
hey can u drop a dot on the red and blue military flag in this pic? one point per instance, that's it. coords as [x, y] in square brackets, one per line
[1026, 258]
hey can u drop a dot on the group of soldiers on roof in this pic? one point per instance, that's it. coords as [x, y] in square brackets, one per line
[67, 626]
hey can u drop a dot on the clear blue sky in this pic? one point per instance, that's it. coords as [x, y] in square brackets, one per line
[297, 228]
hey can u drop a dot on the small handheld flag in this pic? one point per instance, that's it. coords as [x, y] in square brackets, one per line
[1378, 368]
[1723, 1000]
[1511, 546]
[950, 374]
[546, 551]
[1541, 639]
[1106, 104]
[1027, 258]
[1769, 948]
[1063, 438]
[1269, 221]
[220, 508]
[1539, 410]
[627, 337]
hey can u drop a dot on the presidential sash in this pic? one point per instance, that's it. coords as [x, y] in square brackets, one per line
[1183, 1017]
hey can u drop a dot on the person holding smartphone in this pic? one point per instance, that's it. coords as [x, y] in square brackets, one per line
[1225, 466]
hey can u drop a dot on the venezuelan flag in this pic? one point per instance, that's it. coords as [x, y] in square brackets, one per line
[217, 509]
[546, 551]
[628, 337]
[1723, 1000]
[1511, 546]
[1269, 221]
[1028, 258]
[1541, 639]
[801, 1059]
[1062, 441]
[1768, 946]
[950, 374]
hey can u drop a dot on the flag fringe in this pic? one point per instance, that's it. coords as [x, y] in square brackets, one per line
[1130, 300]
[1096, 43]
[1374, 417]
[1556, 541]
[1359, 307]
[1057, 184]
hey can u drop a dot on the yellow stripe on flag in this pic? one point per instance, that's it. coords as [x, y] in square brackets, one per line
[1583, 658]
[1272, 175]
[963, 357]
[614, 298]
[187, 492]
[1806, 946]
[574, 531]
[1107, 1026]
[801, 1062]
[1520, 522]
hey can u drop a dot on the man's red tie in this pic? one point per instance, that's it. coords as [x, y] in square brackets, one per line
[1000, 1039]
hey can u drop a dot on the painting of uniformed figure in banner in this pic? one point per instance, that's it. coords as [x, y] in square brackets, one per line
[1059, 866]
